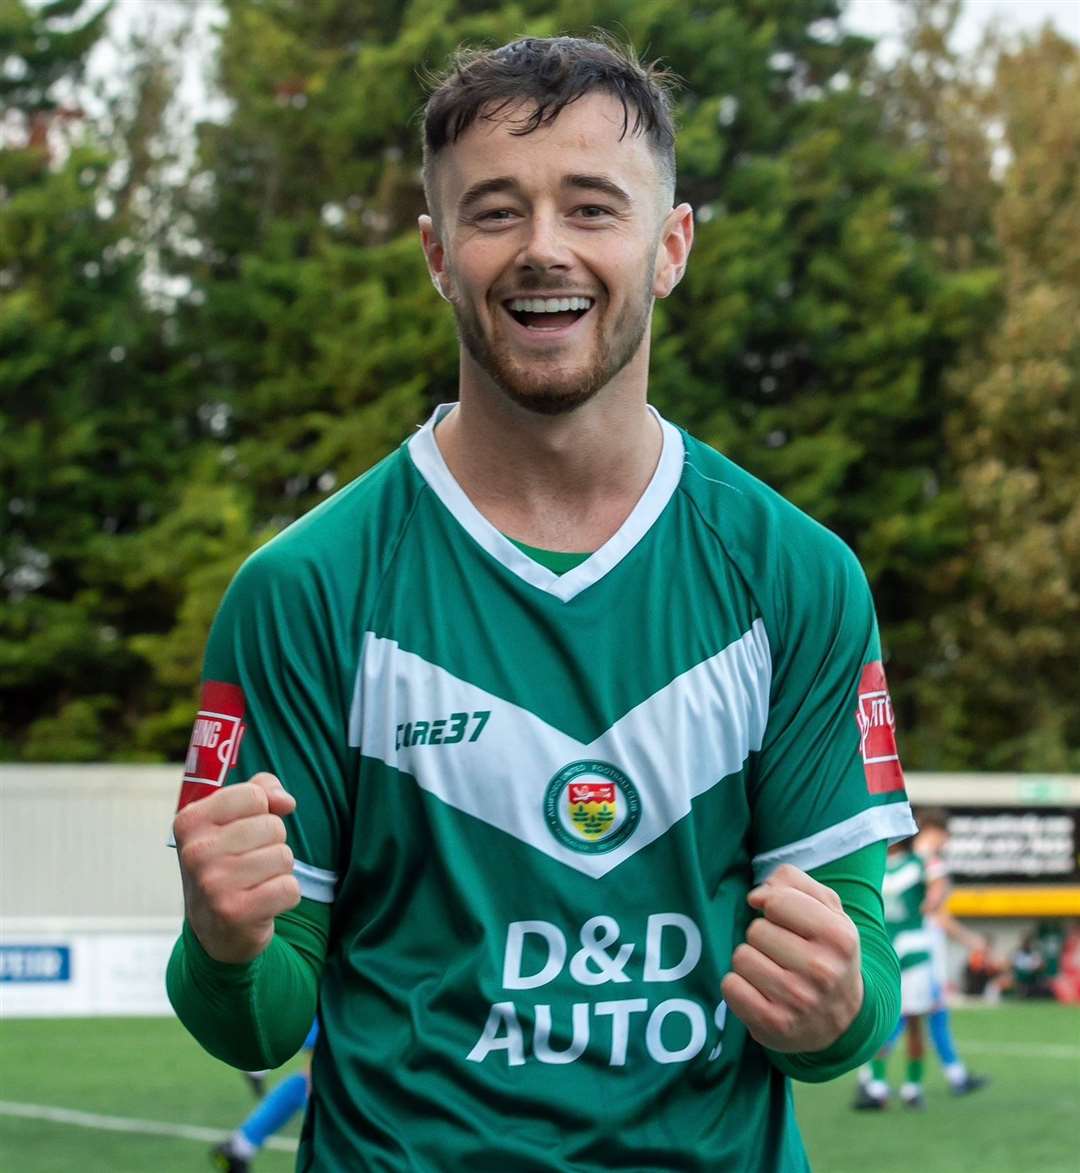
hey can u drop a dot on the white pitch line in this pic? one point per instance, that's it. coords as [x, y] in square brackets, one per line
[125, 1124]
[1023, 1050]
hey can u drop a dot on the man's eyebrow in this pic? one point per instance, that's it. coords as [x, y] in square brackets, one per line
[598, 183]
[486, 187]
[501, 184]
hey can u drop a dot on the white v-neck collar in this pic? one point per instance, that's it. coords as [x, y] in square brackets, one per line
[429, 461]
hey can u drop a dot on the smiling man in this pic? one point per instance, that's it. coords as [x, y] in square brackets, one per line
[553, 758]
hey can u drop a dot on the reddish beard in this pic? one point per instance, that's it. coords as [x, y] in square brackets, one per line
[547, 388]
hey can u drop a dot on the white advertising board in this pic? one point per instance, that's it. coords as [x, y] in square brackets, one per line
[81, 974]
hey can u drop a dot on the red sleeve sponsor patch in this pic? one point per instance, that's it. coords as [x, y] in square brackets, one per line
[877, 732]
[215, 740]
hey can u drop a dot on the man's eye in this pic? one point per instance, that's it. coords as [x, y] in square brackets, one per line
[593, 212]
[496, 215]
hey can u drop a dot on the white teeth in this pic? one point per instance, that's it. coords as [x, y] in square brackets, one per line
[549, 305]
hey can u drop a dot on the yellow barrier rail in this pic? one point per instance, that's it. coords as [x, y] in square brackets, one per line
[1015, 901]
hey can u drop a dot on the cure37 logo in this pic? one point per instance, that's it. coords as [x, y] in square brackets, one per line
[591, 806]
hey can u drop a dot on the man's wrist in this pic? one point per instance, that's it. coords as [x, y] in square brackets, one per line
[202, 960]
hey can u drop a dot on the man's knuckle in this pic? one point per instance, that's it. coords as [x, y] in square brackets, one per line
[802, 996]
[741, 957]
[212, 881]
[271, 829]
[194, 854]
[824, 970]
[848, 940]
[781, 1020]
[251, 798]
[231, 906]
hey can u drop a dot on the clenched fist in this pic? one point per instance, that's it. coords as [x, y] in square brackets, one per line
[796, 981]
[236, 867]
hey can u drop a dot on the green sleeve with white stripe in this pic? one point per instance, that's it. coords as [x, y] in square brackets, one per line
[256, 1014]
[809, 791]
[277, 637]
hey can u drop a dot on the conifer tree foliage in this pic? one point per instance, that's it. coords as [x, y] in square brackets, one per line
[836, 333]
[88, 411]
[1004, 693]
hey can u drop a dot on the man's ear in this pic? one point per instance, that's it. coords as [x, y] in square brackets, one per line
[435, 255]
[676, 240]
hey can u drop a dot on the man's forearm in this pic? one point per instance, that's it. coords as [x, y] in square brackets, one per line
[253, 1015]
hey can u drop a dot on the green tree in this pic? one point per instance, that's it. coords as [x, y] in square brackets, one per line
[808, 340]
[1003, 695]
[92, 418]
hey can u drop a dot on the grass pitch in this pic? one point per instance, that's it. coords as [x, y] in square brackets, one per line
[66, 1086]
[1026, 1121]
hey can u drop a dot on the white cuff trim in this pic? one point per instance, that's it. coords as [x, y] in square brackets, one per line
[892, 822]
[315, 883]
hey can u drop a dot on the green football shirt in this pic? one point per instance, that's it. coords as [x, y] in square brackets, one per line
[536, 803]
[904, 893]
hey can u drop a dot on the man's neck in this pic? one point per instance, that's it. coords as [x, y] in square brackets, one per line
[565, 482]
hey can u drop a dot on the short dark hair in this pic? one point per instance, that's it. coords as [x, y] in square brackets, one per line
[932, 816]
[550, 73]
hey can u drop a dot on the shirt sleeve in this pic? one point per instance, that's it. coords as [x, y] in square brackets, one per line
[274, 699]
[856, 879]
[827, 780]
[255, 1014]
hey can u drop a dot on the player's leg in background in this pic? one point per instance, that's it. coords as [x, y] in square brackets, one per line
[873, 1090]
[961, 1081]
[256, 1080]
[911, 1091]
[276, 1110]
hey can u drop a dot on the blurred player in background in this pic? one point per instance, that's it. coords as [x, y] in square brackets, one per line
[929, 847]
[277, 1109]
[912, 894]
[930, 844]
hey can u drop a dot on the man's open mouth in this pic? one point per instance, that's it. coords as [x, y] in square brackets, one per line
[548, 313]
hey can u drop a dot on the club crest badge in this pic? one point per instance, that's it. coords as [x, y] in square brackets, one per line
[591, 806]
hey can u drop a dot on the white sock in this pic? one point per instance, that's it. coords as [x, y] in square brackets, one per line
[242, 1147]
[909, 1091]
[878, 1088]
[955, 1073]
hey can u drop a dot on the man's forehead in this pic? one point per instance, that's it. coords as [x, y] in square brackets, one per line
[594, 125]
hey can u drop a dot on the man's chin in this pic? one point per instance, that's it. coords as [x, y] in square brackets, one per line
[547, 399]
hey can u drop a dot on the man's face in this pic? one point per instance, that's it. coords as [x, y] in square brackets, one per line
[932, 840]
[551, 248]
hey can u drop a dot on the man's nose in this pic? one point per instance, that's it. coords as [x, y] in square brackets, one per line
[546, 245]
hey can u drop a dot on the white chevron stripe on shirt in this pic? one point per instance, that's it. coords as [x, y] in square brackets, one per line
[674, 746]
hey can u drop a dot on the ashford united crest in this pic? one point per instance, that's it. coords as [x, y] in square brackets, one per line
[591, 806]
